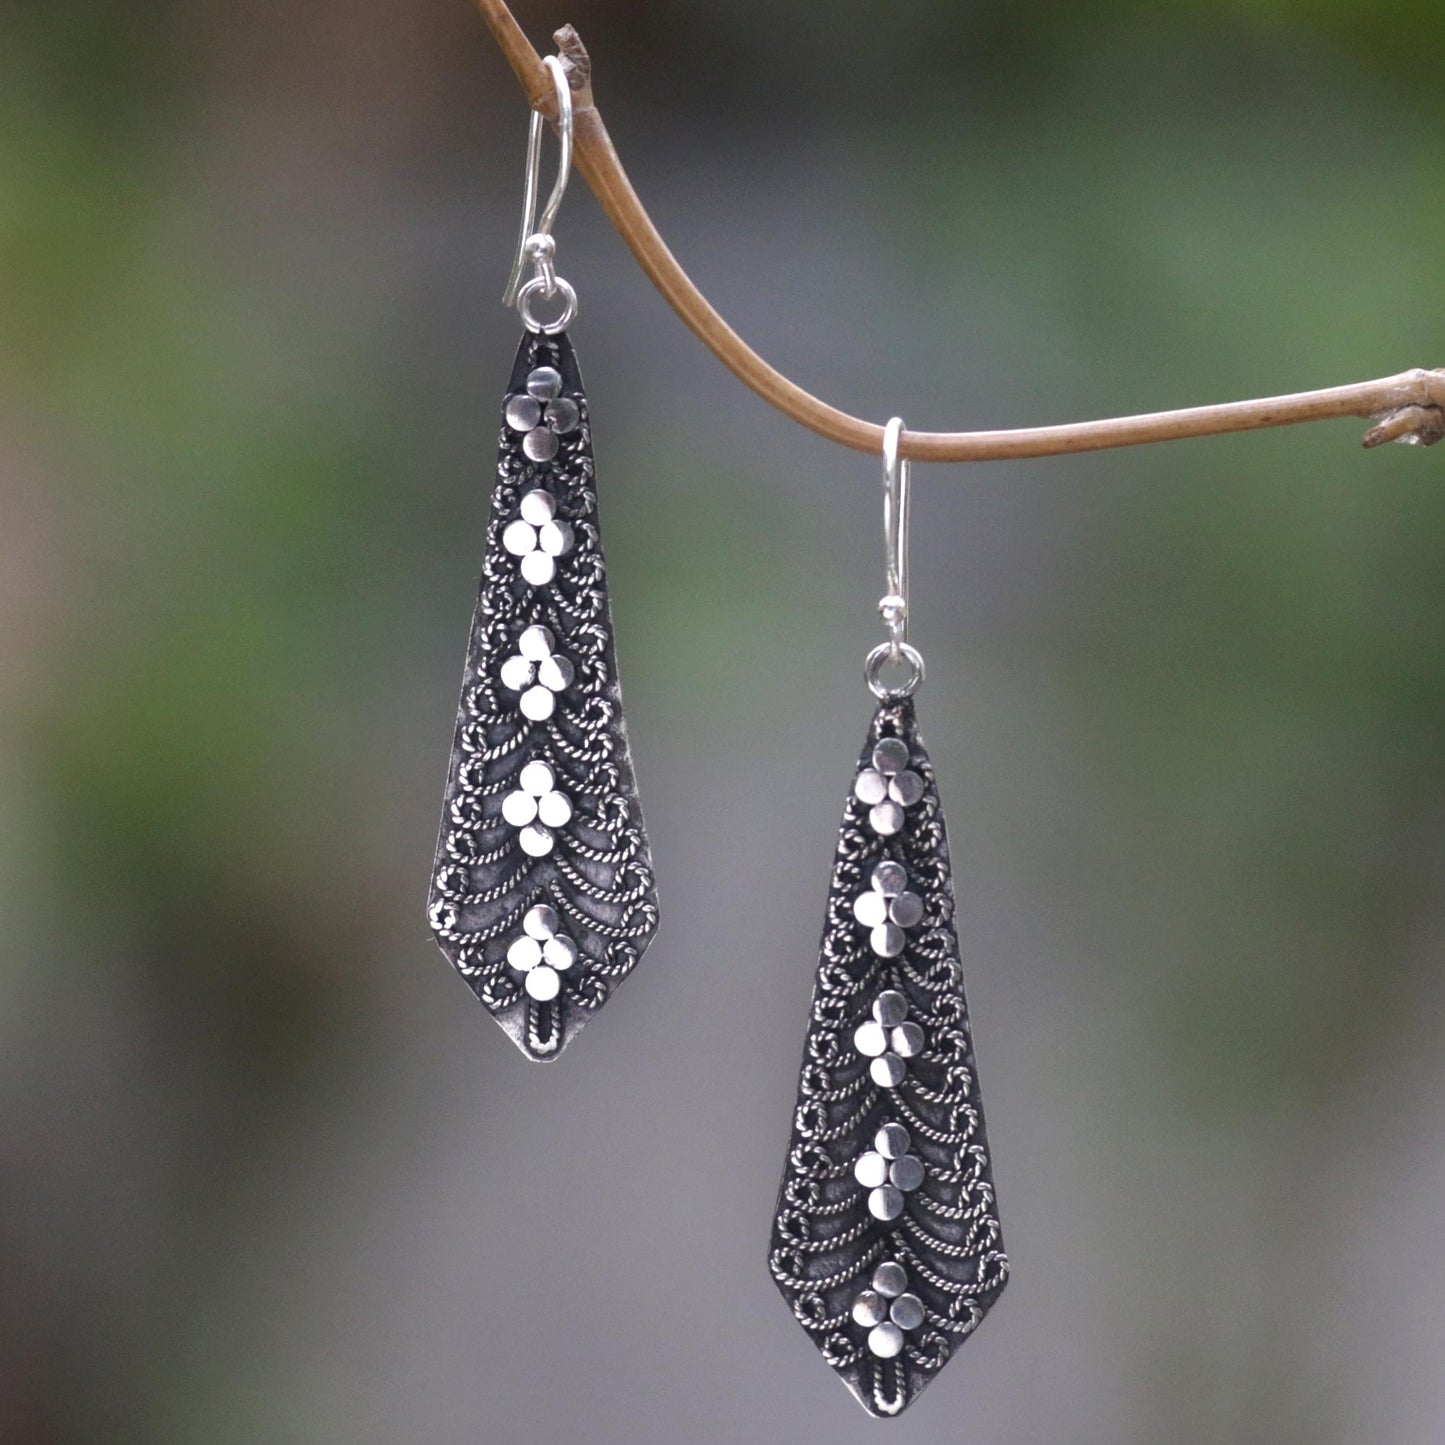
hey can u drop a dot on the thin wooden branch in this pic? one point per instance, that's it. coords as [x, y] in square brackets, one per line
[1409, 407]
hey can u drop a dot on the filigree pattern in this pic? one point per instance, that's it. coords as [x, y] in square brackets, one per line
[541, 810]
[886, 1242]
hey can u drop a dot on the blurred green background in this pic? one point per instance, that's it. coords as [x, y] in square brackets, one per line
[267, 1172]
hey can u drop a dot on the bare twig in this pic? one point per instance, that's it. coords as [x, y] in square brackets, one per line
[1409, 407]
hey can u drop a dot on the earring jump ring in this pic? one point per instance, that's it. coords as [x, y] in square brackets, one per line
[537, 286]
[873, 671]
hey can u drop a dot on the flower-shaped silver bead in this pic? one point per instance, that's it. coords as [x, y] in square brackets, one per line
[537, 539]
[542, 414]
[536, 808]
[888, 1310]
[888, 787]
[543, 953]
[888, 908]
[888, 1038]
[888, 1172]
[538, 673]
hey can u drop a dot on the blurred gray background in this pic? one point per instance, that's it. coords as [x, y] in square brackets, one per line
[267, 1171]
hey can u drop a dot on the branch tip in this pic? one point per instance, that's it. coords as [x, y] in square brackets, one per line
[575, 60]
[1414, 425]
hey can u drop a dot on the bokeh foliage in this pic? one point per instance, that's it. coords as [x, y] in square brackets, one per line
[248, 349]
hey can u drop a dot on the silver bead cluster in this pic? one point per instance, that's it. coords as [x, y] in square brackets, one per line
[542, 953]
[542, 413]
[888, 1038]
[888, 1172]
[888, 787]
[537, 673]
[537, 539]
[888, 1310]
[536, 807]
[888, 908]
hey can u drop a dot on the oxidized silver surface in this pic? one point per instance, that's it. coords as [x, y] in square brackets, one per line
[542, 893]
[886, 1242]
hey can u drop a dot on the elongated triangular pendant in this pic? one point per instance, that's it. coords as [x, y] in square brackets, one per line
[542, 892]
[886, 1242]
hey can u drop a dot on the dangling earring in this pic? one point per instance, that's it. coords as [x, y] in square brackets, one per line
[542, 893]
[886, 1241]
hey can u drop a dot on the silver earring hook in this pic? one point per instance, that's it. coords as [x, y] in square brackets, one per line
[894, 605]
[534, 241]
[896, 478]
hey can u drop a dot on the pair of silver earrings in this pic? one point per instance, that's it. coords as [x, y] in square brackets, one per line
[885, 1240]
